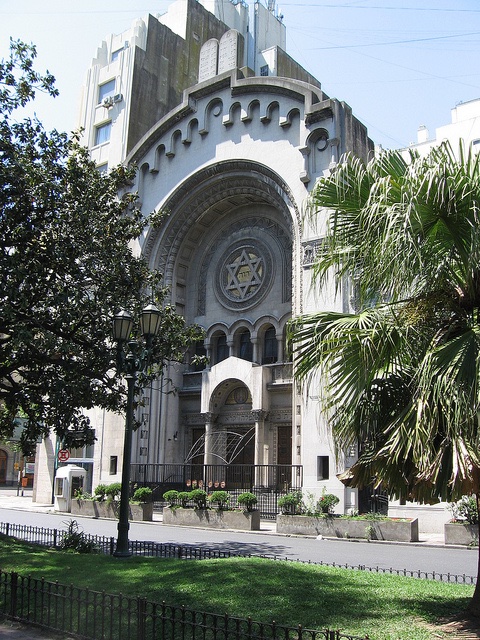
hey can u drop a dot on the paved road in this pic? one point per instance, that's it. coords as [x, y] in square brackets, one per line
[421, 556]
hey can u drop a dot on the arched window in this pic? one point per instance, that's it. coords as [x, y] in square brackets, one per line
[221, 348]
[270, 346]
[245, 350]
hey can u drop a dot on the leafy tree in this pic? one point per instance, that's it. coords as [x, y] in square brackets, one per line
[401, 374]
[67, 266]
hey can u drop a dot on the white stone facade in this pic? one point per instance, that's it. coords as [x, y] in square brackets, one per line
[231, 158]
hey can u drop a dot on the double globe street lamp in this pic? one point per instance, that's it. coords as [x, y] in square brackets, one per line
[133, 356]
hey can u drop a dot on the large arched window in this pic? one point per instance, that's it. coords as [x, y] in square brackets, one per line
[245, 346]
[270, 346]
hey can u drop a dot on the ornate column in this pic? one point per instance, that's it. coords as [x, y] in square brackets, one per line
[259, 415]
[210, 419]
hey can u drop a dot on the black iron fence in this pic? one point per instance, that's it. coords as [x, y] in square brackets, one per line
[268, 482]
[93, 615]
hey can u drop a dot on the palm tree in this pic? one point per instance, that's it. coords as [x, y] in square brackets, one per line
[401, 374]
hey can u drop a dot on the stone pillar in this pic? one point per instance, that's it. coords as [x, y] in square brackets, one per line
[209, 424]
[280, 348]
[257, 356]
[259, 415]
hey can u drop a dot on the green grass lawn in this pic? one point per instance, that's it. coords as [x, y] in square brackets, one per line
[384, 607]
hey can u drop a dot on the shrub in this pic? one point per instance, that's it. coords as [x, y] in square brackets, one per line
[171, 497]
[183, 498]
[100, 492]
[80, 494]
[76, 540]
[199, 497]
[113, 490]
[291, 503]
[327, 502]
[142, 494]
[248, 500]
[465, 509]
[220, 498]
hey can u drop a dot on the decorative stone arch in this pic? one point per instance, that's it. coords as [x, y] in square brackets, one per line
[272, 107]
[214, 334]
[266, 321]
[237, 330]
[213, 110]
[143, 172]
[192, 126]
[175, 140]
[198, 202]
[159, 153]
[229, 423]
[317, 143]
[223, 391]
[286, 121]
[253, 106]
[229, 119]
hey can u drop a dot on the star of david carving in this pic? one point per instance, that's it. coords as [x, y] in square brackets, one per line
[244, 274]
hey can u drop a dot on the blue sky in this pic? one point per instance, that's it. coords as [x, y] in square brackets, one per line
[398, 63]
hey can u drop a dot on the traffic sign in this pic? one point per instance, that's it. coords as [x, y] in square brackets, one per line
[63, 455]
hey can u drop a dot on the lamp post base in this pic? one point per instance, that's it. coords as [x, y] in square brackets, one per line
[122, 549]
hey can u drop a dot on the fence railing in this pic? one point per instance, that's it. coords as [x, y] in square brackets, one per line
[268, 482]
[96, 615]
[106, 545]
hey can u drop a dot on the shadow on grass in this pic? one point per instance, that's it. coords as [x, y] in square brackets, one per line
[290, 593]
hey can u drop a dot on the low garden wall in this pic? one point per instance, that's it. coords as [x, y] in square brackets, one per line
[110, 509]
[461, 533]
[338, 527]
[218, 519]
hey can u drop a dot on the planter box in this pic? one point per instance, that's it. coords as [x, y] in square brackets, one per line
[94, 509]
[461, 533]
[335, 527]
[241, 520]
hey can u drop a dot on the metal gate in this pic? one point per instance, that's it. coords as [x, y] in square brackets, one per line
[267, 482]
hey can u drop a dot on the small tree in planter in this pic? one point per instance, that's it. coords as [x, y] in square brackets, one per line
[199, 497]
[247, 500]
[326, 503]
[183, 498]
[100, 492]
[171, 497]
[465, 510]
[291, 503]
[113, 490]
[220, 498]
[142, 494]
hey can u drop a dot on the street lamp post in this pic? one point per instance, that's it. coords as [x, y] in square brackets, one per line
[133, 356]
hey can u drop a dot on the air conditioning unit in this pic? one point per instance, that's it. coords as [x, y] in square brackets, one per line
[117, 97]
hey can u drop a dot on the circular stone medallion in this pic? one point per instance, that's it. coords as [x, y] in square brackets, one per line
[244, 274]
